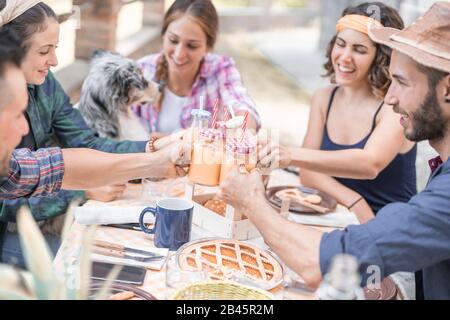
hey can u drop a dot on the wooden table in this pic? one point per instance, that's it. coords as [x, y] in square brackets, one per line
[155, 280]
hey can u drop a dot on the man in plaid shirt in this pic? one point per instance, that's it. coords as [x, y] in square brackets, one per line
[54, 122]
[37, 173]
[45, 172]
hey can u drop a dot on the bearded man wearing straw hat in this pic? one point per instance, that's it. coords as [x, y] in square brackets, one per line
[412, 236]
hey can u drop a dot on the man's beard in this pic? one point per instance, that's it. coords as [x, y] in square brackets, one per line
[428, 123]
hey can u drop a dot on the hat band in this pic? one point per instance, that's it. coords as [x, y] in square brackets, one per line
[357, 22]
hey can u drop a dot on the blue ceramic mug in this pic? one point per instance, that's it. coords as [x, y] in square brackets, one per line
[173, 221]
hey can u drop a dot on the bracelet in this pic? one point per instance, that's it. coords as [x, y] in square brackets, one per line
[151, 145]
[353, 204]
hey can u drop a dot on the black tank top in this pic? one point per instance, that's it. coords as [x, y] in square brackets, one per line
[396, 183]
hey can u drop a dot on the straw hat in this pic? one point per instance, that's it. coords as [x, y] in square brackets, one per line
[426, 41]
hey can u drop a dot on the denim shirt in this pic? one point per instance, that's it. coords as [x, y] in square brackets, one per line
[412, 236]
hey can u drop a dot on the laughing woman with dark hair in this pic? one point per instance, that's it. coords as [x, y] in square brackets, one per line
[50, 115]
[354, 148]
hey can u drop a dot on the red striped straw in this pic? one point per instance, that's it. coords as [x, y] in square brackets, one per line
[226, 114]
[244, 126]
[215, 113]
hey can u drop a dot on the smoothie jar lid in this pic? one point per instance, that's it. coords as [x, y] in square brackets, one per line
[221, 125]
[212, 134]
[201, 113]
[236, 145]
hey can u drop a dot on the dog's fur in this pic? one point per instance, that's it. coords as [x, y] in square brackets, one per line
[112, 85]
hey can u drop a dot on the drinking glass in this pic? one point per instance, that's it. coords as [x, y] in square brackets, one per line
[155, 188]
[177, 277]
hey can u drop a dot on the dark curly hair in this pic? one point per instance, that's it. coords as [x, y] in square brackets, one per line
[379, 78]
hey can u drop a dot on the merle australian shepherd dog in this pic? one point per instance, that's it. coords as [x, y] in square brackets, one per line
[113, 84]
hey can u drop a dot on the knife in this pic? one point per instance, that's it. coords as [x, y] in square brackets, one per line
[120, 248]
[121, 254]
[128, 226]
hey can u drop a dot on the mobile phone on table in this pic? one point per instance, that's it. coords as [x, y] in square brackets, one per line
[128, 274]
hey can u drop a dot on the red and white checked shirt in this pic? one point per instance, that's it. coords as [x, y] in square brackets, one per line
[217, 78]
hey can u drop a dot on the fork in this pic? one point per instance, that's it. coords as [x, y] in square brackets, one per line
[120, 254]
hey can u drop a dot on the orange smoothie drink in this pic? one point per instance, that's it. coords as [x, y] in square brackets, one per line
[206, 158]
[238, 153]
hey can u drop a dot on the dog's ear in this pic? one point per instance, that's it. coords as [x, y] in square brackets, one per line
[119, 76]
[121, 82]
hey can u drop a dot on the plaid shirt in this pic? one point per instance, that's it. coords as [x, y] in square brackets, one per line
[54, 122]
[37, 173]
[218, 78]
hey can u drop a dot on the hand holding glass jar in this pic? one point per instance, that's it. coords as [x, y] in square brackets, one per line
[207, 154]
[240, 152]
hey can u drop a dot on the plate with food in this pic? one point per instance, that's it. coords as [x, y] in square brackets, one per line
[386, 290]
[301, 199]
[226, 259]
[119, 291]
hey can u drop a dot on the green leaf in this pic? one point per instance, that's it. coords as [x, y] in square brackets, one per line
[85, 262]
[105, 290]
[37, 255]
[14, 284]
[68, 221]
[11, 294]
[41, 281]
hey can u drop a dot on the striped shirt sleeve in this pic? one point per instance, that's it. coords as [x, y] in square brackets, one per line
[33, 174]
